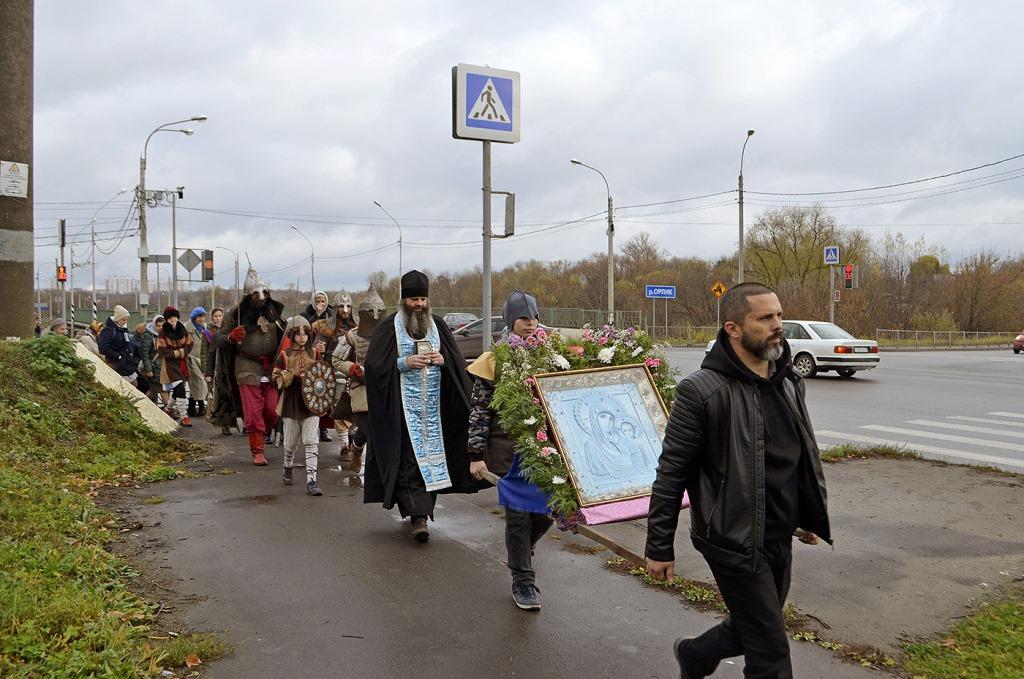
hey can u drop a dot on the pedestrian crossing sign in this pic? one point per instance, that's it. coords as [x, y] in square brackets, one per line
[485, 104]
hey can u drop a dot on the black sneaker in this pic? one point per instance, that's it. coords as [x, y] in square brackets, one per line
[324, 436]
[312, 488]
[420, 532]
[287, 478]
[267, 440]
[525, 596]
[688, 669]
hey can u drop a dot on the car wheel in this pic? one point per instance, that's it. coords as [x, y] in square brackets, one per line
[804, 365]
[1016, 350]
[846, 372]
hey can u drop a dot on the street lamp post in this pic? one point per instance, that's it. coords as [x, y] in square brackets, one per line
[221, 247]
[312, 259]
[143, 247]
[92, 245]
[400, 272]
[611, 238]
[750, 133]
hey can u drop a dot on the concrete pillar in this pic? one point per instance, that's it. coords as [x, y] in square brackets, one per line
[16, 252]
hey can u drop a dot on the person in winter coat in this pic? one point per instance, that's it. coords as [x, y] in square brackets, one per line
[210, 361]
[201, 336]
[151, 362]
[58, 326]
[136, 341]
[300, 425]
[320, 310]
[114, 343]
[88, 338]
[174, 344]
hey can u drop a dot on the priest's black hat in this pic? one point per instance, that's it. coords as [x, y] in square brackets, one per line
[414, 284]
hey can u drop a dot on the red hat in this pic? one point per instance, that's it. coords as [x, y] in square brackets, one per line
[171, 311]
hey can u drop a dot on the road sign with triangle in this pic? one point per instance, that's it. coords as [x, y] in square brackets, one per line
[486, 104]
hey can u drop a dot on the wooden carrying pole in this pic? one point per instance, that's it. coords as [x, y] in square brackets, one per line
[588, 532]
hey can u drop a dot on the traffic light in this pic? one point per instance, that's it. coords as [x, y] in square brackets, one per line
[207, 265]
[848, 276]
[62, 273]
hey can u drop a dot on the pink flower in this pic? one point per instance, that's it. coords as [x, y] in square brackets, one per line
[653, 362]
[541, 334]
[532, 341]
[588, 335]
[576, 349]
[547, 451]
[602, 340]
[542, 435]
[536, 401]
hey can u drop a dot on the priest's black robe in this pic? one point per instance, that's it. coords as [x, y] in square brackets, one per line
[387, 418]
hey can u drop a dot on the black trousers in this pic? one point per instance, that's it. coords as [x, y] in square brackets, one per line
[362, 421]
[756, 627]
[410, 492]
[522, 531]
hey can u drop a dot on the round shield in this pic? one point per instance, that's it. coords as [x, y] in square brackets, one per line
[318, 385]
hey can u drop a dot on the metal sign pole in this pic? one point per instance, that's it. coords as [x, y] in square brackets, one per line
[831, 293]
[718, 314]
[487, 248]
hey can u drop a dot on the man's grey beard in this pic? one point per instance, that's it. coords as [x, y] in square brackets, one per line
[417, 323]
[762, 350]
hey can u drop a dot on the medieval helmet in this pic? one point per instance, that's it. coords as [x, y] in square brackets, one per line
[343, 303]
[254, 283]
[519, 304]
[371, 310]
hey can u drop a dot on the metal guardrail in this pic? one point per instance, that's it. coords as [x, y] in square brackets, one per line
[938, 339]
[561, 317]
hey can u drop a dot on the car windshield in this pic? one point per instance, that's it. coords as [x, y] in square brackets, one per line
[830, 332]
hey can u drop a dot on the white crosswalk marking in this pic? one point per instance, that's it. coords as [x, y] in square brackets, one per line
[1002, 414]
[945, 437]
[967, 427]
[985, 420]
[935, 450]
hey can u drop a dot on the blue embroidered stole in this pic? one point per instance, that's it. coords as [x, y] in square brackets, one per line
[421, 404]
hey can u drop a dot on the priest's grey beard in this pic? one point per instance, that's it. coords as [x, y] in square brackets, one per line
[761, 349]
[416, 322]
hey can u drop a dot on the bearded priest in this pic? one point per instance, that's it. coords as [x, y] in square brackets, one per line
[417, 394]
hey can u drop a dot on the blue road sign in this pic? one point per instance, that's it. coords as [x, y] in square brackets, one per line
[486, 104]
[661, 292]
[831, 254]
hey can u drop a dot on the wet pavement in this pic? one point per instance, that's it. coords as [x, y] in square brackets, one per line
[328, 586]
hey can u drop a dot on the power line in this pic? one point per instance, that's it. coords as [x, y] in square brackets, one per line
[890, 186]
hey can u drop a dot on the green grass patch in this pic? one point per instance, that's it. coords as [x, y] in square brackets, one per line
[988, 643]
[205, 647]
[848, 451]
[65, 606]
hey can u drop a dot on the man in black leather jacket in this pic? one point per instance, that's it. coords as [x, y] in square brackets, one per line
[739, 440]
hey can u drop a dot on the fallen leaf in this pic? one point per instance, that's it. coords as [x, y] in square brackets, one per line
[192, 661]
[948, 643]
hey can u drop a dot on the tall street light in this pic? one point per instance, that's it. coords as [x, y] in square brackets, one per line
[750, 133]
[237, 294]
[92, 256]
[143, 247]
[312, 260]
[400, 272]
[611, 238]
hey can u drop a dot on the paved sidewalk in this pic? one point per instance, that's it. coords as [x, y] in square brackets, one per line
[329, 586]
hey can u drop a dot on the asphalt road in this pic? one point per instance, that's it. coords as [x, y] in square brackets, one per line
[958, 406]
[330, 587]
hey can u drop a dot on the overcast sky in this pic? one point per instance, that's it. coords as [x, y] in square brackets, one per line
[316, 109]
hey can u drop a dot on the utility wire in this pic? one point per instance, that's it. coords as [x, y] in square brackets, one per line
[889, 186]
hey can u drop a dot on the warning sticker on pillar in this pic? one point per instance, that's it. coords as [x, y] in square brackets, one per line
[485, 104]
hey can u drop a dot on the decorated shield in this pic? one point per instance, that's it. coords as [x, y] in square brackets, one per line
[318, 385]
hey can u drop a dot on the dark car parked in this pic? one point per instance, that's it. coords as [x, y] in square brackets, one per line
[459, 319]
[470, 337]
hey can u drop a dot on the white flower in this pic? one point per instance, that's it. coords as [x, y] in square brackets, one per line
[606, 354]
[558, 480]
[532, 420]
[637, 352]
[560, 362]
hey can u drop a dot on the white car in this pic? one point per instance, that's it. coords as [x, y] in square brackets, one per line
[818, 346]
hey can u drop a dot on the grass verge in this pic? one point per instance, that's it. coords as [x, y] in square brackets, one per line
[988, 643]
[65, 606]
